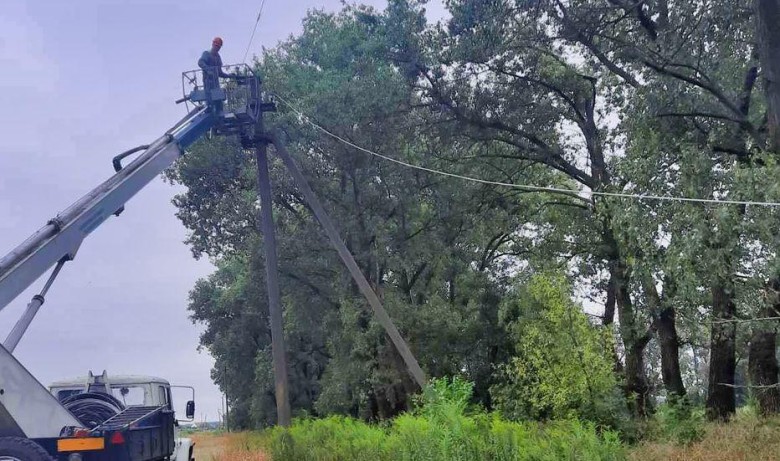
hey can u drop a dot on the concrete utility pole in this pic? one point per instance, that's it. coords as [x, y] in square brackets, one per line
[260, 141]
[283, 412]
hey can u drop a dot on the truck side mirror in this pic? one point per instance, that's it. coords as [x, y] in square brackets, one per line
[191, 409]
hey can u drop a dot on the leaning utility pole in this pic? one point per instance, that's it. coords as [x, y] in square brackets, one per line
[281, 384]
[260, 141]
[380, 314]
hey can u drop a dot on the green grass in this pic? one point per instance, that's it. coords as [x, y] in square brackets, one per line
[413, 438]
[443, 428]
[747, 437]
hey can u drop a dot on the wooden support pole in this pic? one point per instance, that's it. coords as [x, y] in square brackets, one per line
[330, 229]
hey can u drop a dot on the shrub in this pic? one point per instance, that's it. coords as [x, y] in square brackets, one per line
[442, 428]
[680, 423]
[561, 367]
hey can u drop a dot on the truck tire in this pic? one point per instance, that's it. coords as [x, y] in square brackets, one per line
[21, 449]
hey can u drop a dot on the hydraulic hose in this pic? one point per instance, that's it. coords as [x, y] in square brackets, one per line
[118, 159]
[93, 408]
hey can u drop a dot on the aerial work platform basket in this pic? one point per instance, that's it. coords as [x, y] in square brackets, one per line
[236, 100]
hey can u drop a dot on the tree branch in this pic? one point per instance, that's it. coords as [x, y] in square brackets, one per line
[699, 114]
[588, 43]
[716, 92]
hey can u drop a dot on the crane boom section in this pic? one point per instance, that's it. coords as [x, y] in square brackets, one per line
[61, 237]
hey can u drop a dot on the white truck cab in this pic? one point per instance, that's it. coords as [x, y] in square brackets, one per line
[132, 391]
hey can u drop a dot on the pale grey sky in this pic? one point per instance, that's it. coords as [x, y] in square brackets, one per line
[83, 80]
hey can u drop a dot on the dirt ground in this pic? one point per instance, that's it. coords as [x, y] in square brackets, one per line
[750, 439]
[224, 447]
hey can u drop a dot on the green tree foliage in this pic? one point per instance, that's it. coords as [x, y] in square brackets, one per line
[589, 88]
[655, 97]
[560, 367]
[437, 252]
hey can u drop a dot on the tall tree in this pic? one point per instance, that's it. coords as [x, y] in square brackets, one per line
[435, 250]
[500, 74]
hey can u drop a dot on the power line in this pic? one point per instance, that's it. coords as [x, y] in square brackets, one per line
[758, 319]
[569, 192]
[252, 37]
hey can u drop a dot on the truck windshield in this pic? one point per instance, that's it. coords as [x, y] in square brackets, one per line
[62, 395]
[128, 394]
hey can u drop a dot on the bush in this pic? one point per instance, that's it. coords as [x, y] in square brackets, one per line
[679, 423]
[561, 366]
[441, 429]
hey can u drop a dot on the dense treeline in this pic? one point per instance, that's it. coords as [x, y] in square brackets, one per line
[554, 304]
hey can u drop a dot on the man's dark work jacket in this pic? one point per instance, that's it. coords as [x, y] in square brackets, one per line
[211, 63]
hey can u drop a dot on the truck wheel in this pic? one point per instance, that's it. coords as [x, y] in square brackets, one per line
[21, 449]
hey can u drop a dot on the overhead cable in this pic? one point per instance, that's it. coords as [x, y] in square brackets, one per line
[559, 190]
[251, 38]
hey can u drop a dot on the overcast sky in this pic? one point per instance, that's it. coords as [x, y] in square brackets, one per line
[81, 81]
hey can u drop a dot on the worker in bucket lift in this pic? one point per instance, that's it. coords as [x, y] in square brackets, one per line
[211, 63]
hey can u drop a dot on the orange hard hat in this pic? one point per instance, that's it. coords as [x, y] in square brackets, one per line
[217, 41]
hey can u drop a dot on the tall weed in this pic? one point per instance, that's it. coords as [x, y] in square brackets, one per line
[679, 423]
[442, 428]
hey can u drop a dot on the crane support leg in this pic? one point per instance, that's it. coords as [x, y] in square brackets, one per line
[27, 404]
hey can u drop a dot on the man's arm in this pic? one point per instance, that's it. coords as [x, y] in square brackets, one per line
[221, 72]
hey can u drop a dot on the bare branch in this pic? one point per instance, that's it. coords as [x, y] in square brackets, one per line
[756, 386]
[700, 114]
[712, 89]
[758, 319]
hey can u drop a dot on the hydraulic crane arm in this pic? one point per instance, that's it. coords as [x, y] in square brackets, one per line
[27, 409]
[61, 237]
[229, 109]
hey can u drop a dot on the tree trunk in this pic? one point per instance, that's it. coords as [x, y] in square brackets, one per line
[608, 321]
[721, 398]
[634, 337]
[763, 371]
[636, 387]
[666, 330]
[768, 37]
[670, 354]
[762, 365]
